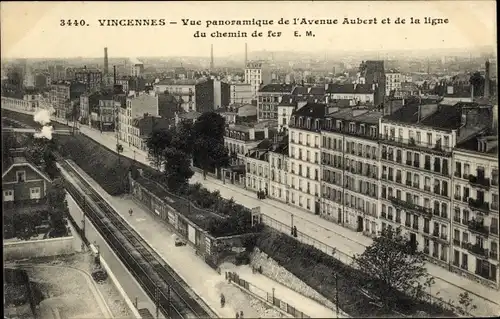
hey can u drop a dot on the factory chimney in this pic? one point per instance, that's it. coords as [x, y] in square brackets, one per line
[114, 74]
[487, 79]
[211, 57]
[246, 54]
[106, 61]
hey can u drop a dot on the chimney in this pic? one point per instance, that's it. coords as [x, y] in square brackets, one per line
[105, 61]
[114, 74]
[246, 54]
[449, 89]
[487, 79]
[266, 132]
[251, 134]
[211, 57]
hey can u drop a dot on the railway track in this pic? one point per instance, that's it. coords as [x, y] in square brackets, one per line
[175, 298]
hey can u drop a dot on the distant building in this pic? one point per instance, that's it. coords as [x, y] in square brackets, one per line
[268, 98]
[92, 78]
[136, 106]
[373, 72]
[136, 67]
[240, 139]
[61, 95]
[187, 117]
[41, 81]
[358, 93]
[142, 128]
[257, 74]
[240, 93]
[392, 81]
[183, 91]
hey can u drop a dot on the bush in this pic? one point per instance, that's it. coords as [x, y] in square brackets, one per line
[242, 258]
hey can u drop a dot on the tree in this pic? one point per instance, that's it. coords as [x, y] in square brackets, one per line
[211, 125]
[177, 169]
[466, 303]
[40, 152]
[210, 153]
[183, 138]
[58, 208]
[157, 143]
[392, 264]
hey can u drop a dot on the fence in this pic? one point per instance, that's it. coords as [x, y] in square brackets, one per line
[269, 297]
[344, 258]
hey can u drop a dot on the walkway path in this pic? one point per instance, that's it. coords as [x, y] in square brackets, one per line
[448, 285]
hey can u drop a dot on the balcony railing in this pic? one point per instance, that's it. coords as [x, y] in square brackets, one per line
[478, 205]
[412, 143]
[493, 255]
[410, 206]
[478, 227]
[456, 242]
[494, 230]
[479, 182]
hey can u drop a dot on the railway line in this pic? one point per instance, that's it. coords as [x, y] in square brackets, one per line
[175, 299]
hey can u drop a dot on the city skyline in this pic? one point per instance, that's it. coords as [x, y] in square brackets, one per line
[38, 25]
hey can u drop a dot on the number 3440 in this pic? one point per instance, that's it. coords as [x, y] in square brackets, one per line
[74, 23]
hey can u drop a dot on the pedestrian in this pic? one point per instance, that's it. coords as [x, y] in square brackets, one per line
[222, 300]
[237, 315]
[130, 211]
[241, 314]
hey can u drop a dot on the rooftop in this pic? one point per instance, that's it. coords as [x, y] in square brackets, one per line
[315, 110]
[277, 88]
[350, 88]
[190, 115]
[472, 144]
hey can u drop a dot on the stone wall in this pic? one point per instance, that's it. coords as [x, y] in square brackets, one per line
[273, 270]
[38, 248]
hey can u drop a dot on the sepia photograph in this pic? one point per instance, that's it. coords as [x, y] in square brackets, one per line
[250, 159]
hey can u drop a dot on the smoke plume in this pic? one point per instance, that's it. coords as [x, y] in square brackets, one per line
[46, 132]
[42, 116]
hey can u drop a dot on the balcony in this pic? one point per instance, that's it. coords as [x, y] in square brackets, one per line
[456, 242]
[408, 163]
[494, 230]
[426, 230]
[479, 182]
[456, 219]
[410, 206]
[408, 183]
[416, 164]
[478, 250]
[478, 227]
[458, 174]
[408, 224]
[478, 205]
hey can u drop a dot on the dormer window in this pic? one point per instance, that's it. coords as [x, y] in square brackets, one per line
[362, 129]
[20, 176]
[309, 123]
[339, 125]
[481, 146]
[316, 125]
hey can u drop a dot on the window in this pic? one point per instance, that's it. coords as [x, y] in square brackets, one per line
[8, 195]
[35, 193]
[20, 176]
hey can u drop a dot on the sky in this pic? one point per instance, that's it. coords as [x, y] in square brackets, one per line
[32, 29]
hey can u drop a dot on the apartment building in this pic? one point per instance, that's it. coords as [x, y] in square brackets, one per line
[240, 139]
[91, 77]
[240, 93]
[61, 95]
[278, 178]
[304, 156]
[183, 91]
[416, 158]
[268, 99]
[392, 81]
[350, 172]
[258, 167]
[136, 106]
[475, 209]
